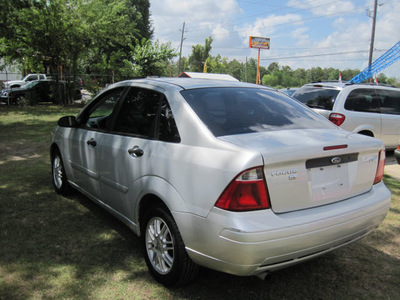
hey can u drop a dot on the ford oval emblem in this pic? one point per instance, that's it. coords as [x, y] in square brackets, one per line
[336, 160]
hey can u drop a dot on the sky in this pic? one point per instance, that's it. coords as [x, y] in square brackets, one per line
[303, 33]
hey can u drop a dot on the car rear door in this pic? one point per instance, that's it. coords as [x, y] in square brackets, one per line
[361, 110]
[143, 128]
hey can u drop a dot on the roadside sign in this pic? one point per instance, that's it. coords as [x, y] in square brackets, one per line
[259, 42]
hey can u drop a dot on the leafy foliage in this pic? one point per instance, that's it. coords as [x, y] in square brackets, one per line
[81, 36]
[199, 55]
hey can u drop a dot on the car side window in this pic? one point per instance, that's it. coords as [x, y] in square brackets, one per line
[362, 100]
[98, 116]
[138, 113]
[146, 113]
[32, 77]
[389, 101]
[168, 131]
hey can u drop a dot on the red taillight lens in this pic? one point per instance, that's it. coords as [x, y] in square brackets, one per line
[381, 167]
[246, 192]
[337, 119]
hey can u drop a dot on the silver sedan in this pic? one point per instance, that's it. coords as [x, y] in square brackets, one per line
[231, 176]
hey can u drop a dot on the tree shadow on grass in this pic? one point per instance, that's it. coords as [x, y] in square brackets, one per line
[45, 237]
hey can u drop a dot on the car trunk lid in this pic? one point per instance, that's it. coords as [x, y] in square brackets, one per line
[313, 167]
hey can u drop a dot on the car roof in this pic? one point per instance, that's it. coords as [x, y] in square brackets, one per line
[341, 85]
[193, 83]
[333, 84]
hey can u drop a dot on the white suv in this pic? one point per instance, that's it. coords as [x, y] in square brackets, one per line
[371, 110]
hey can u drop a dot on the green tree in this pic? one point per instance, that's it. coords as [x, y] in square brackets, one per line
[199, 55]
[235, 69]
[90, 35]
[216, 64]
[349, 74]
[273, 67]
[270, 80]
[149, 59]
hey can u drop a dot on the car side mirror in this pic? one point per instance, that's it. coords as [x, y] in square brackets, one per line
[67, 121]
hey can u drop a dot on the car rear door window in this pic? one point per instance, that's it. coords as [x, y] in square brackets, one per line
[389, 101]
[146, 113]
[168, 131]
[362, 100]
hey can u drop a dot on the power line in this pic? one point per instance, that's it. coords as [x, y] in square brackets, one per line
[318, 55]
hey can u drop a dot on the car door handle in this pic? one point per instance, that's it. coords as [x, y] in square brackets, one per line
[91, 142]
[135, 151]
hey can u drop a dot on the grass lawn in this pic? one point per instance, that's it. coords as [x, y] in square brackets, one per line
[54, 247]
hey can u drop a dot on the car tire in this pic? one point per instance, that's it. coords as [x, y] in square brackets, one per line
[164, 250]
[59, 176]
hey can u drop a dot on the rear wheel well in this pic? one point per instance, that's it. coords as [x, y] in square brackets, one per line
[367, 133]
[53, 149]
[146, 203]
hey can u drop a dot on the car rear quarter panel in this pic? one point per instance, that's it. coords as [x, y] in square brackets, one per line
[196, 175]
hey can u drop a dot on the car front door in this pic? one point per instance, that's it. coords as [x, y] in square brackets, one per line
[142, 127]
[86, 140]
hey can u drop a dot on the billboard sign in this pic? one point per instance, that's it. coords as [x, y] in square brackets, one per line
[259, 42]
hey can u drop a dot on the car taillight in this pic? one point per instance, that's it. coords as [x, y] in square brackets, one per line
[337, 119]
[247, 191]
[381, 167]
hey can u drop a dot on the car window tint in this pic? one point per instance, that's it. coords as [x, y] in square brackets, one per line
[138, 113]
[317, 96]
[228, 111]
[168, 131]
[363, 100]
[389, 101]
[31, 78]
[98, 115]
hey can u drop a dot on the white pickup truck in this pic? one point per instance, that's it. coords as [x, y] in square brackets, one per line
[25, 80]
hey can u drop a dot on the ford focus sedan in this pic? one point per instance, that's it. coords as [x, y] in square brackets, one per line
[230, 176]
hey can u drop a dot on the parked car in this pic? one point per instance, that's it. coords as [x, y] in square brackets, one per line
[397, 154]
[371, 110]
[288, 91]
[18, 83]
[226, 175]
[38, 91]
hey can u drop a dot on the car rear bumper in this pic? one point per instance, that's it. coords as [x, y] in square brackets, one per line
[250, 243]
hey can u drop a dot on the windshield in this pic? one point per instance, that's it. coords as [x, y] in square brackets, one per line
[227, 111]
[317, 97]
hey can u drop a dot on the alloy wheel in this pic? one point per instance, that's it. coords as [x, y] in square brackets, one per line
[159, 245]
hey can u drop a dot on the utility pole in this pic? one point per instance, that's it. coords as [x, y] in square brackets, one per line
[245, 72]
[180, 52]
[371, 48]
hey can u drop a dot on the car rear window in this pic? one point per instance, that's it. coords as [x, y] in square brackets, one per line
[227, 111]
[317, 96]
